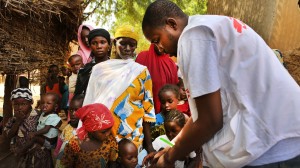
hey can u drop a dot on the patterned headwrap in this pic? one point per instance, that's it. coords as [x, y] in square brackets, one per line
[124, 31]
[94, 117]
[127, 31]
[21, 93]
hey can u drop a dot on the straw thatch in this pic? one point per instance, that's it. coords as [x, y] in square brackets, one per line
[36, 33]
[292, 60]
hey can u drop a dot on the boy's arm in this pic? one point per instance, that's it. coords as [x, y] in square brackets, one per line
[47, 128]
[147, 138]
[195, 134]
[58, 124]
[48, 124]
[43, 130]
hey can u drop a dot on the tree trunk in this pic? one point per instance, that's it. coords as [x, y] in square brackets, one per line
[9, 86]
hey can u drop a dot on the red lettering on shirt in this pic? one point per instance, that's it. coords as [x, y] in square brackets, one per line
[237, 25]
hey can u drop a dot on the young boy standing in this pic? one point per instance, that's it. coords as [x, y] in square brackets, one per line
[76, 63]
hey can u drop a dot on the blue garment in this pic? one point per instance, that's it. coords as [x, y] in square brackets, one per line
[65, 97]
[159, 120]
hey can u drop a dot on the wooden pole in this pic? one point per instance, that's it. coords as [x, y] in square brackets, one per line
[9, 86]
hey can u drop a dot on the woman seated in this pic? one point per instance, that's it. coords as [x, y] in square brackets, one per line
[19, 127]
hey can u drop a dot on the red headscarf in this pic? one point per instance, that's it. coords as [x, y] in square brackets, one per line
[162, 69]
[94, 117]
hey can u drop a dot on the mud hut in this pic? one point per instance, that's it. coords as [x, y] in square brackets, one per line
[33, 35]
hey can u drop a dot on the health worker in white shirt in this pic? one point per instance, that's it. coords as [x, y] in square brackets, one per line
[245, 105]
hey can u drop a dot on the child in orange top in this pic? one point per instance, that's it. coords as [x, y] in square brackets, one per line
[52, 82]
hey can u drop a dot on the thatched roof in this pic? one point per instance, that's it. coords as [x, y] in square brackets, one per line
[36, 33]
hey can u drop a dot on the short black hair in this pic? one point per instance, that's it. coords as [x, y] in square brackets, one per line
[73, 56]
[169, 87]
[24, 82]
[180, 82]
[56, 97]
[122, 143]
[50, 69]
[158, 11]
[175, 116]
[78, 97]
[62, 78]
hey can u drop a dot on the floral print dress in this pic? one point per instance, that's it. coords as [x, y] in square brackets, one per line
[75, 157]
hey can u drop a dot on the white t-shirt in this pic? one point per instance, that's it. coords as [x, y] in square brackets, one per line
[72, 82]
[260, 100]
[50, 119]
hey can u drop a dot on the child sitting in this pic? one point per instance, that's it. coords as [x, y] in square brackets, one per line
[70, 130]
[128, 154]
[95, 145]
[183, 104]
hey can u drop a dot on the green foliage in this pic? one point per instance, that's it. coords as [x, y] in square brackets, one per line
[115, 13]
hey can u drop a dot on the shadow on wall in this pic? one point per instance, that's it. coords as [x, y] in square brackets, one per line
[271, 19]
[244, 11]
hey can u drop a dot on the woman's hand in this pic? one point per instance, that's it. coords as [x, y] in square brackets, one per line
[157, 159]
[20, 117]
[163, 163]
[147, 159]
[160, 160]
